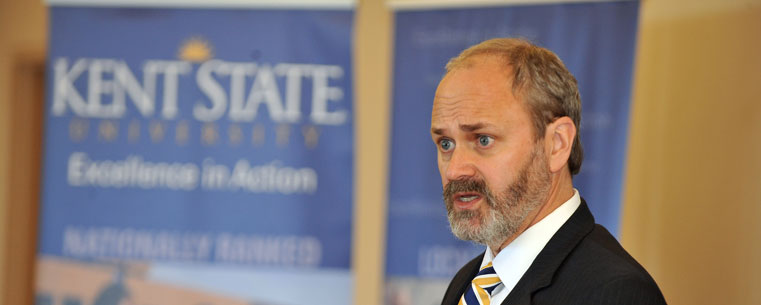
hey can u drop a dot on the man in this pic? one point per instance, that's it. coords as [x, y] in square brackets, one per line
[505, 120]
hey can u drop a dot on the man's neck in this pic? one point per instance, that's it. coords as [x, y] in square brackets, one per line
[561, 190]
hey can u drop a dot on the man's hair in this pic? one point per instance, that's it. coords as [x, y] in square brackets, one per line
[540, 79]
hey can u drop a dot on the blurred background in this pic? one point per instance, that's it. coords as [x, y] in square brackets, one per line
[682, 147]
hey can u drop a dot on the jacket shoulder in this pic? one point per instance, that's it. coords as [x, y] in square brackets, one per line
[599, 271]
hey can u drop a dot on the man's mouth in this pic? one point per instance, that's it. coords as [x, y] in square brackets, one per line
[466, 200]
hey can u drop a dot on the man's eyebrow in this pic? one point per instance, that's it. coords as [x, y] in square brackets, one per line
[464, 127]
[472, 127]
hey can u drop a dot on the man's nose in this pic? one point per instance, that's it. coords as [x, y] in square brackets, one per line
[461, 165]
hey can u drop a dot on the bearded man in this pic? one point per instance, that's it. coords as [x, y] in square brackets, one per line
[505, 121]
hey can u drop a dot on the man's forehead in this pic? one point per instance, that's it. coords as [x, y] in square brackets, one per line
[480, 80]
[463, 107]
[469, 105]
[468, 114]
[480, 91]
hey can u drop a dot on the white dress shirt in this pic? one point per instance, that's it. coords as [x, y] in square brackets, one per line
[513, 261]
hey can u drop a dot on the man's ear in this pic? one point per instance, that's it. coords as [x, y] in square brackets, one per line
[560, 135]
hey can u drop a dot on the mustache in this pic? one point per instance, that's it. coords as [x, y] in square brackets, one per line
[466, 185]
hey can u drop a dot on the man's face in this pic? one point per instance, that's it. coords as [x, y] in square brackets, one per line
[493, 171]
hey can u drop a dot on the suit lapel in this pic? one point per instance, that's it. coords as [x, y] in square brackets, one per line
[541, 271]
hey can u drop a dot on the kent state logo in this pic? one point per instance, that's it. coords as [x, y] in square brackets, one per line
[99, 92]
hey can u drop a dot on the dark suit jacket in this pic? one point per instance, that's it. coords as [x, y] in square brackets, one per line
[581, 264]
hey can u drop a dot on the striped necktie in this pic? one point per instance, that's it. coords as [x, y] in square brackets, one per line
[479, 291]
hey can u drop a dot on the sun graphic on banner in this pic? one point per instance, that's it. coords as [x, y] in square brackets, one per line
[196, 49]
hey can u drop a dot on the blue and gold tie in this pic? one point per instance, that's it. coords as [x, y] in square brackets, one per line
[479, 291]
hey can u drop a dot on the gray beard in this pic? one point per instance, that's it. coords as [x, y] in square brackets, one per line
[507, 212]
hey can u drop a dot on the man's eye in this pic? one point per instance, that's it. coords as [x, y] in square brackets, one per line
[485, 140]
[446, 145]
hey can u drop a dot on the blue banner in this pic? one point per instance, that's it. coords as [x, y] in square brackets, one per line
[595, 40]
[213, 145]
